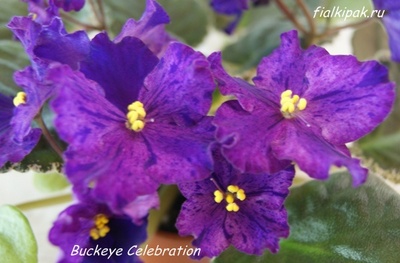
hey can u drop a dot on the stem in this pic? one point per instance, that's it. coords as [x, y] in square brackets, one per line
[308, 15]
[95, 11]
[62, 199]
[102, 14]
[50, 139]
[283, 7]
[85, 26]
[352, 25]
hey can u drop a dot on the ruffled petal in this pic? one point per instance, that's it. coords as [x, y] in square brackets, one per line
[345, 104]
[313, 154]
[180, 88]
[101, 148]
[150, 28]
[203, 218]
[54, 44]
[246, 137]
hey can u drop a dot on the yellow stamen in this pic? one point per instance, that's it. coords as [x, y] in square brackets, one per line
[241, 195]
[295, 99]
[218, 196]
[19, 99]
[290, 104]
[232, 194]
[136, 116]
[302, 104]
[232, 207]
[229, 198]
[100, 228]
[233, 188]
[135, 105]
[286, 93]
[137, 125]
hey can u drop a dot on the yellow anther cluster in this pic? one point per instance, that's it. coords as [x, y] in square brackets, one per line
[100, 228]
[19, 99]
[289, 103]
[136, 114]
[233, 193]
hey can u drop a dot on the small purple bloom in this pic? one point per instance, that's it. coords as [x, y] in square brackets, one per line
[150, 28]
[234, 7]
[69, 5]
[11, 149]
[127, 136]
[85, 229]
[305, 105]
[391, 21]
[233, 208]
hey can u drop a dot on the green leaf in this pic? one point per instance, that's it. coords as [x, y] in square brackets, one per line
[50, 182]
[263, 28]
[10, 8]
[17, 242]
[189, 18]
[12, 58]
[333, 222]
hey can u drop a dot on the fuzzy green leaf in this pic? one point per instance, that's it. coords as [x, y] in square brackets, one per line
[17, 242]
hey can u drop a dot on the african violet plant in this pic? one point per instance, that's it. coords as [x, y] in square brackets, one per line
[119, 101]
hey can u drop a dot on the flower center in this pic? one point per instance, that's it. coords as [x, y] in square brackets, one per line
[19, 99]
[230, 196]
[100, 228]
[290, 104]
[136, 114]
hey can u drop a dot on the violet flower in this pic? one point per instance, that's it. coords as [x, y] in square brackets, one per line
[17, 128]
[235, 8]
[127, 136]
[305, 105]
[391, 21]
[232, 208]
[11, 149]
[89, 232]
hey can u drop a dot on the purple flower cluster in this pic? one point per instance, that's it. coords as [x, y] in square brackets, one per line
[134, 113]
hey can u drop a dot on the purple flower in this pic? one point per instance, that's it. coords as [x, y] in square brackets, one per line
[234, 7]
[11, 149]
[391, 21]
[232, 208]
[85, 230]
[127, 136]
[305, 105]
